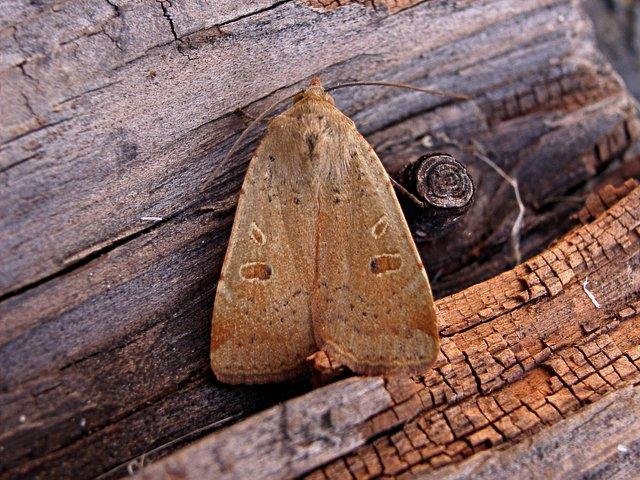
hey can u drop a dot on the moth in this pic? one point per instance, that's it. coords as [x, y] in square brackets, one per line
[320, 258]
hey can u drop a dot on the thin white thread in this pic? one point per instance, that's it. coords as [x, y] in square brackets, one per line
[517, 224]
[478, 152]
[592, 297]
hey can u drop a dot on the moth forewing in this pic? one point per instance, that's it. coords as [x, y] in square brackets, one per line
[261, 327]
[372, 306]
[320, 257]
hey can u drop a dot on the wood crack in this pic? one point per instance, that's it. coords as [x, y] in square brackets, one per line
[116, 8]
[251, 14]
[164, 5]
[85, 257]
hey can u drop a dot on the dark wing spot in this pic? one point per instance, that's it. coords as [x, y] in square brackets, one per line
[385, 263]
[375, 266]
[256, 271]
[311, 139]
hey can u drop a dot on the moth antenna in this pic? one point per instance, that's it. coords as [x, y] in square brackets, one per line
[407, 86]
[400, 187]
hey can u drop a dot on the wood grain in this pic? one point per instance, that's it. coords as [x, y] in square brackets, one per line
[118, 110]
[287, 440]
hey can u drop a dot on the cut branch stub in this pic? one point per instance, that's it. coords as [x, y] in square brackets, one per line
[436, 190]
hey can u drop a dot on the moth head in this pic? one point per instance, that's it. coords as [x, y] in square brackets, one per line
[314, 91]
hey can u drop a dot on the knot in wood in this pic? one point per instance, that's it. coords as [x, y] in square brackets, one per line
[442, 181]
[436, 191]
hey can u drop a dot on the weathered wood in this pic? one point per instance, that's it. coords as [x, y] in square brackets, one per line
[617, 28]
[520, 352]
[289, 439]
[117, 110]
[601, 441]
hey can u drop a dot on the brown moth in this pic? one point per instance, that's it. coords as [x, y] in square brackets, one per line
[320, 258]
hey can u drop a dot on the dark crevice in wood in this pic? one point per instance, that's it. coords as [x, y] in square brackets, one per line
[116, 8]
[250, 14]
[167, 15]
[10, 140]
[91, 90]
[85, 259]
[15, 164]
[25, 73]
[474, 374]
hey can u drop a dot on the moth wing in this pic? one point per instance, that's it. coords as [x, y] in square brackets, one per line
[373, 309]
[261, 327]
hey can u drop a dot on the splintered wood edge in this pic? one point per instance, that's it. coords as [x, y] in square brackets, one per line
[511, 364]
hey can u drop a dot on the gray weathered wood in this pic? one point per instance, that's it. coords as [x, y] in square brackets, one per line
[287, 440]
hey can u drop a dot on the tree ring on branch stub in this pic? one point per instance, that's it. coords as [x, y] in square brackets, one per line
[442, 181]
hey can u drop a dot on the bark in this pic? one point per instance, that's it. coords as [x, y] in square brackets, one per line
[116, 114]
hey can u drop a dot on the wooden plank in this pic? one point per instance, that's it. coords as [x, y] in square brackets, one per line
[118, 110]
[520, 353]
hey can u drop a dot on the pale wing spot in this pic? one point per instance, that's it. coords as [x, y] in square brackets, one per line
[256, 271]
[256, 235]
[380, 228]
[385, 263]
